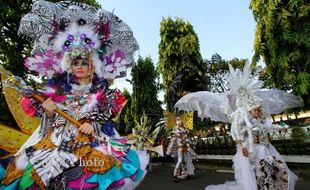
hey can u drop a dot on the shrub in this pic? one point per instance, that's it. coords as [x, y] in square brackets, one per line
[298, 134]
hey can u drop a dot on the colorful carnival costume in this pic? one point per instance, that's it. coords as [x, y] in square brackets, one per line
[58, 155]
[180, 147]
[143, 138]
[257, 164]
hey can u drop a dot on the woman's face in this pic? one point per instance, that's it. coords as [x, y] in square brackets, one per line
[80, 68]
[178, 122]
[255, 112]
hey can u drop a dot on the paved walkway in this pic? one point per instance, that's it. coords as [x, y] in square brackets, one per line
[161, 179]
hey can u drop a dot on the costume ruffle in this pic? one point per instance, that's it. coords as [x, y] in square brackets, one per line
[127, 176]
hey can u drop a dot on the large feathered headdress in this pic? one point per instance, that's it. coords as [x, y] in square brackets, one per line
[67, 30]
[245, 91]
[244, 87]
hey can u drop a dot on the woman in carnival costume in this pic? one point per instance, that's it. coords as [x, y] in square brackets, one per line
[257, 164]
[180, 148]
[79, 49]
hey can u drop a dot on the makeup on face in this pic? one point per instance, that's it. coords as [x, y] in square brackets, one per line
[81, 68]
[81, 63]
[255, 112]
[178, 121]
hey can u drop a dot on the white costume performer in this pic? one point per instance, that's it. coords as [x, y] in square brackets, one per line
[257, 164]
[180, 147]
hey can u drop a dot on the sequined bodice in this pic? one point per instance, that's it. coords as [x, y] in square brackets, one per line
[75, 102]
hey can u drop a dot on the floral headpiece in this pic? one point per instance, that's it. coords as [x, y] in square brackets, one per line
[64, 31]
[78, 46]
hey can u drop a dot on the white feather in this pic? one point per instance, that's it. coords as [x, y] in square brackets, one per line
[21, 161]
[91, 104]
[98, 64]
[49, 90]
[64, 61]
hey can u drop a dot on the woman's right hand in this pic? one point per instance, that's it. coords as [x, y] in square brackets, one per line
[245, 152]
[49, 107]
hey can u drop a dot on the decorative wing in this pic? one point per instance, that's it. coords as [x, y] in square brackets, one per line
[26, 124]
[275, 101]
[170, 119]
[208, 105]
[11, 139]
[144, 139]
[187, 120]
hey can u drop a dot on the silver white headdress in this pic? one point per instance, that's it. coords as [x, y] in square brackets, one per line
[244, 92]
[66, 30]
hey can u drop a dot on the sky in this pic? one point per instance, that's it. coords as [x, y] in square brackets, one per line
[225, 27]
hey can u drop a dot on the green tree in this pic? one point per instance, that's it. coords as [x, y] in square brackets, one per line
[282, 39]
[125, 119]
[14, 48]
[145, 81]
[217, 69]
[178, 49]
[186, 81]
[264, 76]
[298, 134]
[121, 118]
[128, 117]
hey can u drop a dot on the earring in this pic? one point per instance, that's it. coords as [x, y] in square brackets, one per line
[90, 74]
[68, 69]
[91, 77]
[91, 70]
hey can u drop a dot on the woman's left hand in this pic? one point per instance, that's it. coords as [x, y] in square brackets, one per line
[86, 128]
